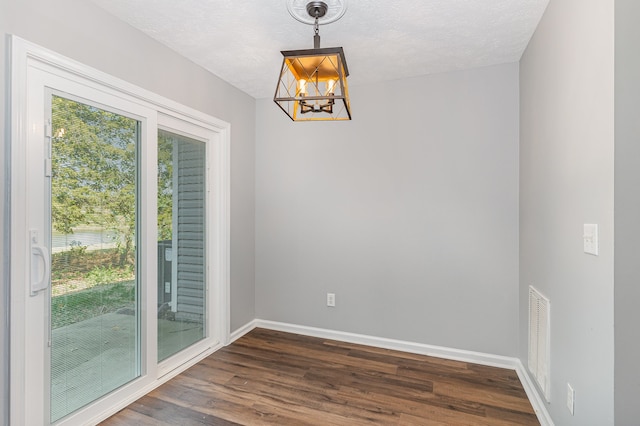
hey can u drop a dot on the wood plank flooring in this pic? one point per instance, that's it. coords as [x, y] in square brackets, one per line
[274, 378]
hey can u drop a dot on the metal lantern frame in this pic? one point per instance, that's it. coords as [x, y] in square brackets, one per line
[317, 68]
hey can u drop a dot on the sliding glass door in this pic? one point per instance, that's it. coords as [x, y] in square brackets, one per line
[119, 240]
[182, 242]
[94, 321]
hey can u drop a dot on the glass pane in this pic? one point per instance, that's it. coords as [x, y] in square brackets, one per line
[94, 309]
[181, 243]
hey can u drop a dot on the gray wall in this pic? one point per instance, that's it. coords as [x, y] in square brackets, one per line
[84, 32]
[409, 213]
[567, 180]
[627, 212]
[4, 279]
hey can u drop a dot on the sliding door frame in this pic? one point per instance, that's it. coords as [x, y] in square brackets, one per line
[29, 63]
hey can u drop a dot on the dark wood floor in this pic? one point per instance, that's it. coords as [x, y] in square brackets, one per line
[274, 378]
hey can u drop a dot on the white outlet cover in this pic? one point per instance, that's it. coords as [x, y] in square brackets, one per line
[590, 236]
[331, 299]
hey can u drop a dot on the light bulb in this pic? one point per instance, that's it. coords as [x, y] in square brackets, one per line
[331, 84]
[302, 86]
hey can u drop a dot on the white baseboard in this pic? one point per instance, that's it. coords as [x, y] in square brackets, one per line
[537, 402]
[241, 331]
[511, 363]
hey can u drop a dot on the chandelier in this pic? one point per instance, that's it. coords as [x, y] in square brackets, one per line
[313, 82]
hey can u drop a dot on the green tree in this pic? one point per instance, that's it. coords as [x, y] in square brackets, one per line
[165, 186]
[94, 170]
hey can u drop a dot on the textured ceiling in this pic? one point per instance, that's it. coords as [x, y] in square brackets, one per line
[240, 41]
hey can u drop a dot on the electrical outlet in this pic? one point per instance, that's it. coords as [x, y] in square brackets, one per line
[590, 237]
[331, 299]
[571, 395]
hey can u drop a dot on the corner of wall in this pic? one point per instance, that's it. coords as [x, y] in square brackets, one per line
[4, 261]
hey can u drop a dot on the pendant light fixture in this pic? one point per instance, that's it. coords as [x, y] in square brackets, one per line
[313, 82]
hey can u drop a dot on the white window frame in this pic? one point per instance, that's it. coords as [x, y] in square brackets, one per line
[29, 60]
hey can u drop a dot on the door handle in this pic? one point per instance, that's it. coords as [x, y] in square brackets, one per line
[40, 264]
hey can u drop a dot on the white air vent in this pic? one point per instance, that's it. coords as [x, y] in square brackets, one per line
[539, 341]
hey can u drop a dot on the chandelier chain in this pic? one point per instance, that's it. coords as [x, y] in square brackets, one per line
[316, 31]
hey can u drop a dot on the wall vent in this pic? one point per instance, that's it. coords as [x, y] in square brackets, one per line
[539, 339]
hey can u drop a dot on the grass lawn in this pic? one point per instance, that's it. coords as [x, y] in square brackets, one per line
[86, 284]
[91, 302]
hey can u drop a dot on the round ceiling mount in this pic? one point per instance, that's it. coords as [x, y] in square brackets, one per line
[317, 9]
[328, 10]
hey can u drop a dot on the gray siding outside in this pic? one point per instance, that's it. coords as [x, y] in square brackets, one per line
[190, 230]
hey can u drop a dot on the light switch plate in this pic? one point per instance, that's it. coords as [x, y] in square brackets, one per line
[591, 239]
